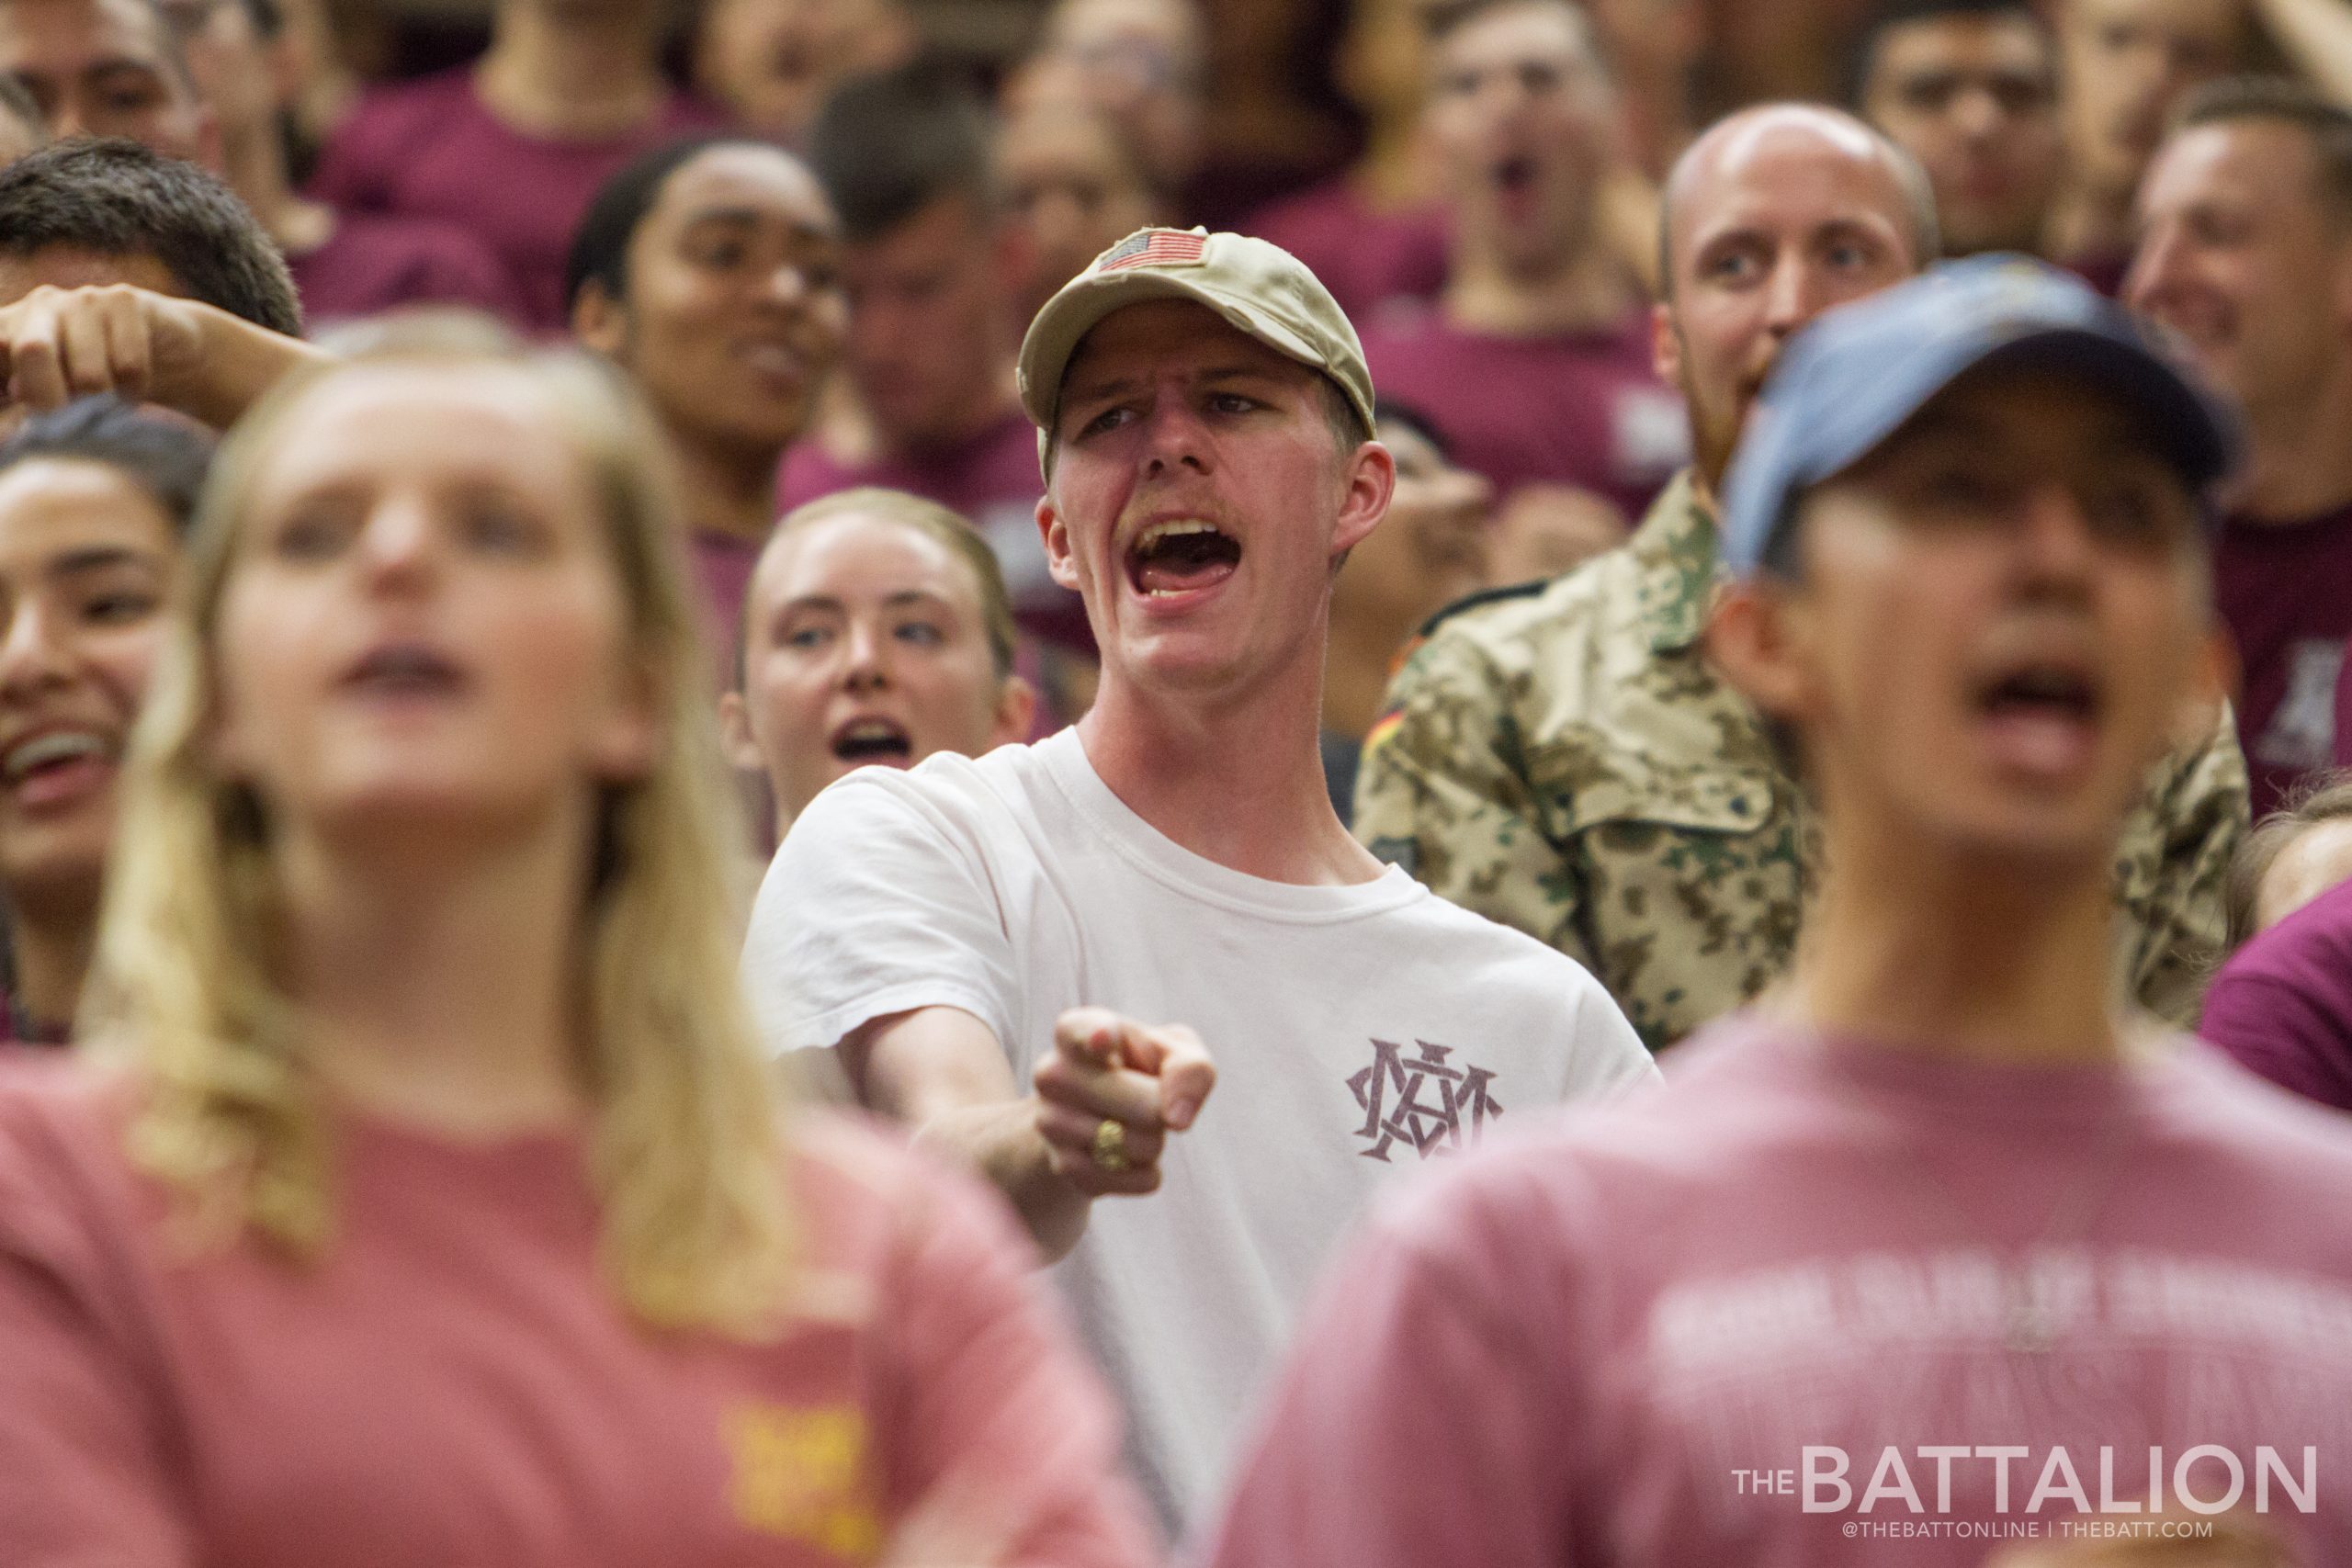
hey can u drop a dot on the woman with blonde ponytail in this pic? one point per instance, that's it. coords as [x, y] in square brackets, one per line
[419, 1197]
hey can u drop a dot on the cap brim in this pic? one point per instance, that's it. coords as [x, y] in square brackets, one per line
[1053, 338]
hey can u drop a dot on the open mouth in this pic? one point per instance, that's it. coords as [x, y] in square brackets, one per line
[54, 760]
[405, 671]
[2043, 718]
[867, 741]
[1180, 557]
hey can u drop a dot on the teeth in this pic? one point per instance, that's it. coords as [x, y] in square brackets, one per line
[1151, 536]
[871, 729]
[56, 747]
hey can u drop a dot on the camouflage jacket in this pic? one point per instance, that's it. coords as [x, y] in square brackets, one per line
[1561, 759]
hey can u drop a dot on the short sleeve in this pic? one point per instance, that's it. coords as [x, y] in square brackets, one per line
[1004, 1445]
[1424, 1420]
[84, 1481]
[877, 904]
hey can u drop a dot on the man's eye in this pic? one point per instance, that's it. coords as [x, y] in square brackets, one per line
[1109, 419]
[120, 608]
[717, 253]
[1731, 267]
[1232, 402]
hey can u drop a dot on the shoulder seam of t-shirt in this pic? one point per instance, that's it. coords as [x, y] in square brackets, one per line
[1391, 891]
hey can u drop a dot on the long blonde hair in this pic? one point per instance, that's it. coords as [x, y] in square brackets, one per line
[684, 1149]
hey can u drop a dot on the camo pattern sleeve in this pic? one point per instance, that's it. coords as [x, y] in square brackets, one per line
[2169, 868]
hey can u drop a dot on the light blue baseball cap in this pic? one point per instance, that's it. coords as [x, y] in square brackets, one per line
[1851, 377]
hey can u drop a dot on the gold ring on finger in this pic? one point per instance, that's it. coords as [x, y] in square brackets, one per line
[1111, 1145]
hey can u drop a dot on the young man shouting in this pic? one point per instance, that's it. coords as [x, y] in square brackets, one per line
[977, 936]
[1940, 1245]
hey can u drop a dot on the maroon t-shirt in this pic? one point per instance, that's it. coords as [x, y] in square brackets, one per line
[1582, 409]
[2285, 590]
[1366, 259]
[373, 263]
[430, 148]
[2282, 1005]
[993, 480]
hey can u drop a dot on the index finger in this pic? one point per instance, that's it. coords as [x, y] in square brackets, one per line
[1101, 1036]
[1187, 1074]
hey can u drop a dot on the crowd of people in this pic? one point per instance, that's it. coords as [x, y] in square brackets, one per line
[768, 800]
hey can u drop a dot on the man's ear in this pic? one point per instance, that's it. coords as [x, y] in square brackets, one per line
[1666, 345]
[1372, 482]
[1754, 640]
[1057, 536]
[599, 321]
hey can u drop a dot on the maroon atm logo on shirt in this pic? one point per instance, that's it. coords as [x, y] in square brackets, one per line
[1425, 1102]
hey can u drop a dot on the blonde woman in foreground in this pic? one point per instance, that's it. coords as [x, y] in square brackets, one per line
[421, 1199]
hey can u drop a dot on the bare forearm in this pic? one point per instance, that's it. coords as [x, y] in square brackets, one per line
[1002, 1142]
[2317, 35]
[236, 362]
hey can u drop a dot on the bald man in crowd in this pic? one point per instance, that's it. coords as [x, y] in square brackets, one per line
[1560, 757]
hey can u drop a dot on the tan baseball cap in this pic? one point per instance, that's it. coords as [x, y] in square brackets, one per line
[1262, 288]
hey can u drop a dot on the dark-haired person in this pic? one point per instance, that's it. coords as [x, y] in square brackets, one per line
[1970, 89]
[347, 265]
[94, 498]
[876, 631]
[109, 68]
[2246, 254]
[1943, 1231]
[1565, 760]
[1434, 547]
[514, 147]
[22, 129]
[1537, 352]
[710, 272]
[995, 946]
[2126, 65]
[931, 263]
[124, 270]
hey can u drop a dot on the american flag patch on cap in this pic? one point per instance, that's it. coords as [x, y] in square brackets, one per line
[1154, 247]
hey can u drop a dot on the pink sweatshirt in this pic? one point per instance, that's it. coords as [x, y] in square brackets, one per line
[1806, 1307]
[453, 1386]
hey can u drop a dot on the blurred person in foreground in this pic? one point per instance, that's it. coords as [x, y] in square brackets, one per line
[1565, 759]
[710, 272]
[347, 265]
[985, 945]
[772, 63]
[124, 270]
[1970, 89]
[1939, 1228]
[513, 147]
[931, 261]
[2245, 257]
[1537, 352]
[1143, 63]
[421, 1197]
[94, 498]
[2125, 66]
[875, 631]
[1434, 547]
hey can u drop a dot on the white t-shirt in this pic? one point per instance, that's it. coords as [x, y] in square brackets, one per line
[1359, 1033]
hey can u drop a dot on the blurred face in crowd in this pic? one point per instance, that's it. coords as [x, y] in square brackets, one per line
[1518, 112]
[773, 62]
[1773, 216]
[86, 563]
[2248, 261]
[1433, 548]
[1072, 189]
[1975, 99]
[927, 323]
[735, 312]
[105, 68]
[865, 644]
[1998, 617]
[421, 623]
[2126, 63]
[1138, 61]
[1199, 500]
[239, 75]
